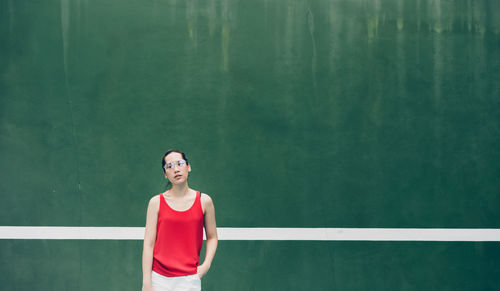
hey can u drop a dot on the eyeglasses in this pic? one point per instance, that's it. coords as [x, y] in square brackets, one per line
[171, 165]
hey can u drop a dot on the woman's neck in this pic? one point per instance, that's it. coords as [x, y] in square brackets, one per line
[179, 190]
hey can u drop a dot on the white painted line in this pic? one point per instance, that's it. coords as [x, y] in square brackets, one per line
[258, 233]
[63, 232]
[360, 234]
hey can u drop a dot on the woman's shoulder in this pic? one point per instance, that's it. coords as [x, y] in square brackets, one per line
[205, 198]
[204, 195]
[155, 200]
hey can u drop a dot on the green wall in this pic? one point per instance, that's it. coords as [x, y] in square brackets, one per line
[353, 113]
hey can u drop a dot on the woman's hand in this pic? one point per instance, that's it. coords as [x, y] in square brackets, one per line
[202, 270]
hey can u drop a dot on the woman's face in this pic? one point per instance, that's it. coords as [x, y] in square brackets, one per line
[176, 168]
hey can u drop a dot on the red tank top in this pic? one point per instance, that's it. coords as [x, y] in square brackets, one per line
[179, 237]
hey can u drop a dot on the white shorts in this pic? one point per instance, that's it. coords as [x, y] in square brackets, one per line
[181, 283]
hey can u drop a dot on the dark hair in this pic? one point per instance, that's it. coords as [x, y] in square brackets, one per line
[163, 163]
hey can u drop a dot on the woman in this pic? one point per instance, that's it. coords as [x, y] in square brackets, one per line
[174, 232]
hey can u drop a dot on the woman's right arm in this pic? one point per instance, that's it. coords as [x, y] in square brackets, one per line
[149, 243]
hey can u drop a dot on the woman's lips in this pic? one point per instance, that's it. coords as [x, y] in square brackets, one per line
[178, 177]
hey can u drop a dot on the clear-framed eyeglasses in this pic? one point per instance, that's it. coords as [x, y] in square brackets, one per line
[171, 165]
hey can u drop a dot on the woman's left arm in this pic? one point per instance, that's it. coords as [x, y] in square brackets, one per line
[211, 234]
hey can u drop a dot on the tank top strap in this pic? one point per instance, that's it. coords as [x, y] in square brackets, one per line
[197, 202]
[161, 199]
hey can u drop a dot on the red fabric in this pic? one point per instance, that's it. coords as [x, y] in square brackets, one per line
[179, 237]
